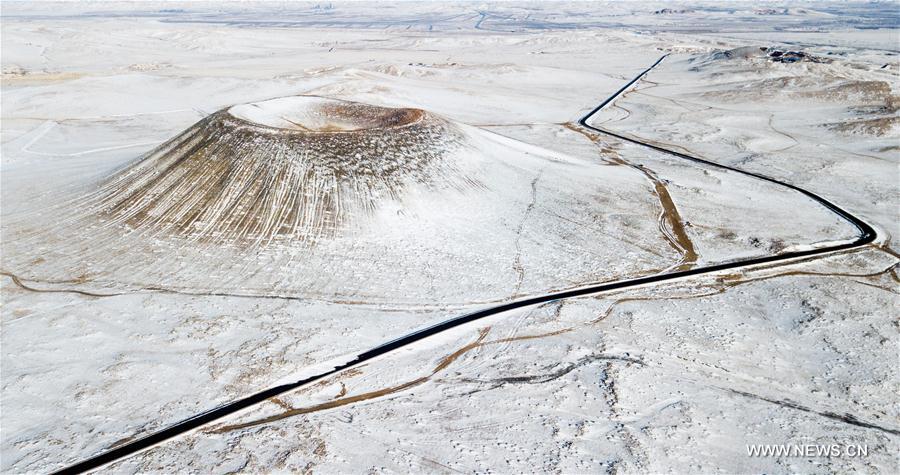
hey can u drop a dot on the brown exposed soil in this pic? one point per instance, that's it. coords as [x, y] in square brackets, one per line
[343, 401]
[671, 224]
[372, 117]
[878, 126]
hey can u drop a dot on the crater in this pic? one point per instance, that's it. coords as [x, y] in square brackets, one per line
[314, 114]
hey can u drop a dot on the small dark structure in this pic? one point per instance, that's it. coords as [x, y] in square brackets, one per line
[780, 56]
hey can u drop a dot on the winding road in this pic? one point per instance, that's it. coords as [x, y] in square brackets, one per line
[866, 236]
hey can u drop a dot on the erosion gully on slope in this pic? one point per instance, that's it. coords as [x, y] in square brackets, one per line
[866, 236]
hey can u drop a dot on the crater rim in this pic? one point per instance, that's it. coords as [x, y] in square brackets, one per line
[317, 115]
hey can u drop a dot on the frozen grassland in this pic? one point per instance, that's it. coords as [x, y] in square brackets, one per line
[115, 324]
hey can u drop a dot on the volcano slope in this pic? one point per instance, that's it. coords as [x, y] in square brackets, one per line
[324, 199]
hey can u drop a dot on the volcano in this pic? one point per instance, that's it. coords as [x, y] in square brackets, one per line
[291, 169]
[320, 198]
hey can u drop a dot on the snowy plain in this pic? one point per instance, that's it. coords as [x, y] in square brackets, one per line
[111, 332]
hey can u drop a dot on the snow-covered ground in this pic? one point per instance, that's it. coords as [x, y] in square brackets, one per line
[465, 182]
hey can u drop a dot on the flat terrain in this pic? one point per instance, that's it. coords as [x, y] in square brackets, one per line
[201, 201]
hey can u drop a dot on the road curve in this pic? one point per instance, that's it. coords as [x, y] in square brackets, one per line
[866, 236]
